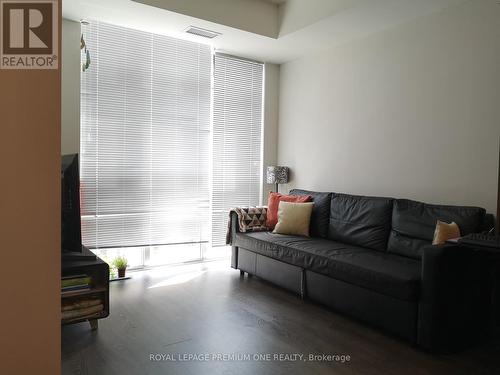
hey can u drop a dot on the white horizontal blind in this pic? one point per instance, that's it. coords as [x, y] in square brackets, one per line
[237, 132]
[145, 135]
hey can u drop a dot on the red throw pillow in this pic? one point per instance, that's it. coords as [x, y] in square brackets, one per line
[273, 203]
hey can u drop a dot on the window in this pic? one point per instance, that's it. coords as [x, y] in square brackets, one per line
[237, 143]
[145, 124]
[148, 149]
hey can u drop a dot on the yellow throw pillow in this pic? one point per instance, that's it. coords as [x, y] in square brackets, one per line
[445, 232]
[294, 218]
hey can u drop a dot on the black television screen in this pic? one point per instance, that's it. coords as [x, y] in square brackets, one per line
[71, 235]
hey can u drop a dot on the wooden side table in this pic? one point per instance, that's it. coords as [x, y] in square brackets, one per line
[98, 271]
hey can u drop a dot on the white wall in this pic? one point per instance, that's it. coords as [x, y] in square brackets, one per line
[260, 17]
[70, 107]
[294, 15]
[411, 112]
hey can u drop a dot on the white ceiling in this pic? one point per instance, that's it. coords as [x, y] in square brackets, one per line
[304, 26]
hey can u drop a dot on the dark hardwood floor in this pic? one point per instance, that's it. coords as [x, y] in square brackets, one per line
[208, 309]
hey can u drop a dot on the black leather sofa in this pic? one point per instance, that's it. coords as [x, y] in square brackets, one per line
[371, 258]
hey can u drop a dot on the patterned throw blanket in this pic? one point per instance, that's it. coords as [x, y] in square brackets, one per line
[250, 219]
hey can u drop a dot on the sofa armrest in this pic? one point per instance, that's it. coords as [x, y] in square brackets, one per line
[234, 228]
[454, 307]
[244, 219]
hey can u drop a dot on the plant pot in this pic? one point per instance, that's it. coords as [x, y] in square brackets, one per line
[121, 273]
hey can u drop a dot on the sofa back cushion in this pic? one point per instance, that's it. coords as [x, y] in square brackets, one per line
[320, 216]
[414, 223]
[360, 220]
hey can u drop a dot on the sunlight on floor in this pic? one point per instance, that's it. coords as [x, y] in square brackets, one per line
[178, 279]
[165, 276]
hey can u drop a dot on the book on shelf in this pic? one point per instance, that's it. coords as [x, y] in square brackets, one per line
[80, 304]
[75, 288]
[77, 276]
[77, 280]
[80, 313]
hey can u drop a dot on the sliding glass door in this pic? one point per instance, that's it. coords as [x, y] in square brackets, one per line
[237, 139]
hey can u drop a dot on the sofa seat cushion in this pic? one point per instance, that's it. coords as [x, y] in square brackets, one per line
[385, 273]
[388, 274]
[297, 250]
[414, 223]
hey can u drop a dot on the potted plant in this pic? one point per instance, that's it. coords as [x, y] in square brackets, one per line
[120, 264]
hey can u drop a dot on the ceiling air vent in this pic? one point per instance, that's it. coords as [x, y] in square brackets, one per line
[202, 32]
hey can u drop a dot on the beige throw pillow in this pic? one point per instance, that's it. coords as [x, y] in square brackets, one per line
[294, 218]
[445, 232]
